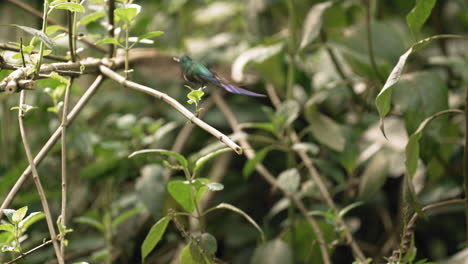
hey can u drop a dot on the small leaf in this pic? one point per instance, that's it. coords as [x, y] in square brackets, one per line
[176, 155]
[154, 236]
[208, 243]
[326, 131]
[181, 192]
[348, 208]
[306, 147]
[127, 14]
[31, 219]
[149, 35]
[91, 17]
[9, 214]
[384, 97]
[186, 256]
[313, 23]
[19, 214]
[412, 147]
[214, 186]
[90, 222]
[108, 41]
[59, 78]
[201, 161]
[37, 33]
[124, 216]
[72, 7]
[52, 29]
[289, 180]
[419, 14]
[289, 110]
[257, 54]
[374, 176]
[195, 96]
[249, 167]
[239, 211]
[273, 252]
[7, 227]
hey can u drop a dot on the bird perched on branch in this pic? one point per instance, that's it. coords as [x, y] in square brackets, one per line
[197, 73]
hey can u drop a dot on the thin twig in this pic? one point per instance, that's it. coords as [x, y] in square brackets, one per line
[38, 14]
[317, 179]
[51, 142]
[370, 45]
[29, 252]
[172, 102]
[111, 27]
[263, 171]
[37, 181]
[465, 167]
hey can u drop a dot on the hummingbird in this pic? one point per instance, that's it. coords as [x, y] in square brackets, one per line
[197, 73]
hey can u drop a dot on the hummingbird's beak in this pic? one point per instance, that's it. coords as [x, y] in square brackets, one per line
[176, 59]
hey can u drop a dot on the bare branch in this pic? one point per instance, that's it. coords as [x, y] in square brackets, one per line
[37, 181]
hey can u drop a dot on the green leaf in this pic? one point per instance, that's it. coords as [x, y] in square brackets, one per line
[182, 192]
[19, 214]
[348, 208]
[239, 211]
[202, 160]
[9, 214]
[250, 165]
[36, 33]
[72, 7]
[214, 186]
[289, 110]
[419, 14]
[52, 29]
[186, 256]
[195, 96]
[149, 35]
[313, 23]
[326, 131]
[273, 252]
[59, 78]
[412, 147]
[91, 17]
[7, 227]
[289, 180]
[374, 176]
[31, 219]
[256, 55]
[306, 147]
[126, 14]
[108, 41]
[259, 125]
[180, 158]
[90, 222]
[154, 236]
[126, 215]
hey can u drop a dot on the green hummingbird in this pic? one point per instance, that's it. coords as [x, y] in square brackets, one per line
[197, 73]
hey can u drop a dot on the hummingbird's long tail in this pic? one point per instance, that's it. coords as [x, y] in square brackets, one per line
[237, 90]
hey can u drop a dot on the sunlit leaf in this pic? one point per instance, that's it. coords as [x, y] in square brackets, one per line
[176, 155]
[36, 33]
[154, 236]
[73, 7]
[273, 252]
[202, 160]
[108, 41]
[289, 180]
[239, 211]
[419, 14]
[313, 23]
[91, 17]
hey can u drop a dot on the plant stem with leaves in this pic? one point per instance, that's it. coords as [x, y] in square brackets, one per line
[44, 27]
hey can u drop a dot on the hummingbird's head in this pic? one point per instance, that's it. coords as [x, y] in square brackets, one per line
[184, 60]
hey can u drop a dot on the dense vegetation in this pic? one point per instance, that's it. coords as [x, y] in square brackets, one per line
[356, 154]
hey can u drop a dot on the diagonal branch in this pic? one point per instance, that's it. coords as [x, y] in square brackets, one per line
[37, 181]
[51, 142]
[174, 103]
[263, 171]
[318, 180]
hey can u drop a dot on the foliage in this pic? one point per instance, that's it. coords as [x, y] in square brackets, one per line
[360, 134]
